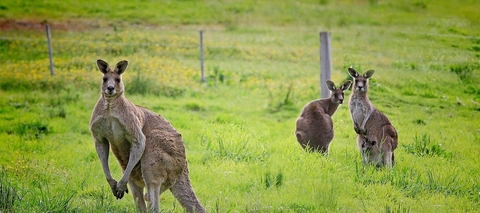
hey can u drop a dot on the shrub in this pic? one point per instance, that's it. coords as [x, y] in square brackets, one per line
[34, 130]
[422, 146]
[464, 71]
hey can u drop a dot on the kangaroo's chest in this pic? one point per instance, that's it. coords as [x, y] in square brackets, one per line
[358, 109]
[114, 130]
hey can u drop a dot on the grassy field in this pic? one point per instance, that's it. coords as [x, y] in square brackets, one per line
[262, 67]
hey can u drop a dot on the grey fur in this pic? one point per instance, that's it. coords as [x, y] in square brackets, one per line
[314, 127]
[150, 151]
[370, 124]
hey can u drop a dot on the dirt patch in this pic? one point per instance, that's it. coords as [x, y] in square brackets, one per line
[86, 24]
[11, 24]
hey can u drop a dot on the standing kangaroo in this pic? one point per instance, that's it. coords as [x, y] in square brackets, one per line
[372, 127]
[314, 127]
[150, 151]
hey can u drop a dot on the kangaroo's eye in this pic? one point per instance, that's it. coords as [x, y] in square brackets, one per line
[105, 80]
[117, 80]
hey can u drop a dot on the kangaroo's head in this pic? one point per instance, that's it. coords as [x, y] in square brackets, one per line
[360, 82]
[337, 94]
[367, 145]
[112, 84]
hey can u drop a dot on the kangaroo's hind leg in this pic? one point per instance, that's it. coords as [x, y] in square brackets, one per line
[300, 133]
[387, 159]
[154, 175]
[387, 152]
[153, 193]
[137, 192]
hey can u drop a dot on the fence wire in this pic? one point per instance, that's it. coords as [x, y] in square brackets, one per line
[214, 47]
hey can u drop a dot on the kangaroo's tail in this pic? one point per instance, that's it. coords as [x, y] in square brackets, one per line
[182, 190]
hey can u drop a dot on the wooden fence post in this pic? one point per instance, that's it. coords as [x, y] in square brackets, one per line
[325, 63]
[50, 54]
[202, 79]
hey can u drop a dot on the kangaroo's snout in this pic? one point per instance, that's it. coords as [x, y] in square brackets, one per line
[340, 98]
[110, 90]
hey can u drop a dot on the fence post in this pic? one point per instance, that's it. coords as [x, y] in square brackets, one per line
[202, 79]
[325, 63]
[50, 54]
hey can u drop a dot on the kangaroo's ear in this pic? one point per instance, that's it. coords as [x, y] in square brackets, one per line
[346, 85]
[102, 66]
[353, 72]
[330, 85]
[121, 67]
[368, 74]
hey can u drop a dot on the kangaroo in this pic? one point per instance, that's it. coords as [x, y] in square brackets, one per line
[370, 124]
[314, 127]
[149, 150]
[367, 149]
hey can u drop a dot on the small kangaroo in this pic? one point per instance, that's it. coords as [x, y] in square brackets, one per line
[370, 124]
[314, 127]
[367, 150]
[150, 151]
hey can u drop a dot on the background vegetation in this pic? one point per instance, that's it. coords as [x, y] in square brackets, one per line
[262, 68]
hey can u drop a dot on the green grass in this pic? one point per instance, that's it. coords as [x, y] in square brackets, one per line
[262, 67]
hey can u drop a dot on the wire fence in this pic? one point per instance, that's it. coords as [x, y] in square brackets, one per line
[220, 44]
[244, 46]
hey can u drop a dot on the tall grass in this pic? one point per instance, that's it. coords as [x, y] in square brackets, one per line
[8, 194]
